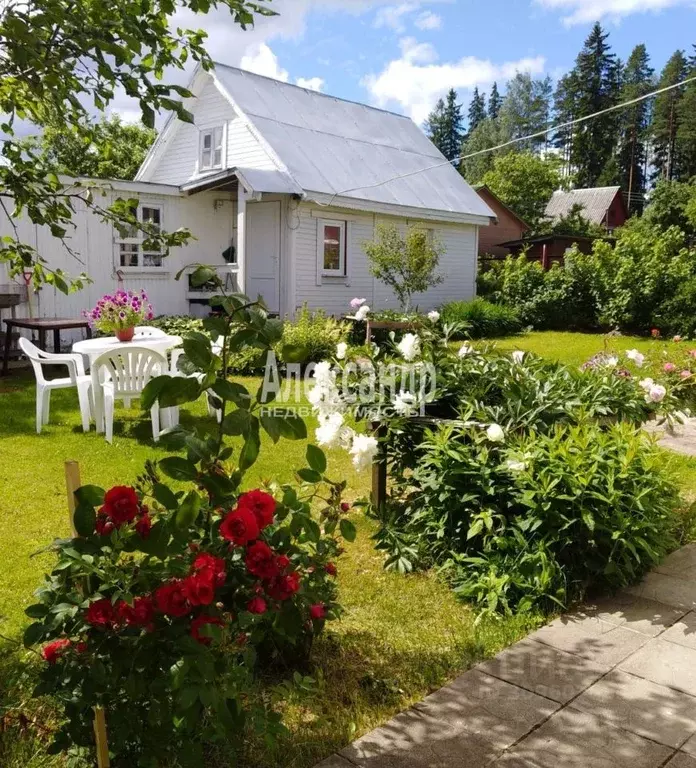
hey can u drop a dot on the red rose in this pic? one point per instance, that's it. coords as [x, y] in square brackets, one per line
[101, 614]
[121, 504]
[345, 506]
[282, 562]
[317, 611]
[199, 588]
[240, 527]
[284, 586]
[214, 566]
[81, 647]
[202, 621]
[262, 504]
[103, 526]
[257, 605]
[655, 333]
[260, 560]
[331, 569]
[140, 614]
[171, 600]
[143, 526]
[53, 651]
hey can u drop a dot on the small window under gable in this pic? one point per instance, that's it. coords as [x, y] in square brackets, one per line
[332, 247]
[210, 149]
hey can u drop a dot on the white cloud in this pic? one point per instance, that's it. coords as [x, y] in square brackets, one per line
[584, 11]
[428, 20]
[262, 61]
[393, 16]
[415, 81]
[313, 83]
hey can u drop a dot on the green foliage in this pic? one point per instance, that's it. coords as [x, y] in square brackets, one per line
[487, 134]
[524, 182]
[672, 204]
[314, 333]
[480, 319]
[667, 115]
[408, 264]
[526, 110]
[177, 325]
[444, 126]
[575, 223]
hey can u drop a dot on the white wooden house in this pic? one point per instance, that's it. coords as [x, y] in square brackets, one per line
[281, 186]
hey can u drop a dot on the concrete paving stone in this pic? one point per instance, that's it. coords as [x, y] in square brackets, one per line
[683, 632]
[555, 674]
[509, 760]
[335, 761]
[689, 746]
[681, 760]
[631, 612]
[591, 638]
[642, 707]
[574, 739]
[680, 561]
[666, 589]
[501, 712]
[664, 663]
[413, 740]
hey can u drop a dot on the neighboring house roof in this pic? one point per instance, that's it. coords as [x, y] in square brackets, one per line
[554, 238]
[595, 201]
[487, 190]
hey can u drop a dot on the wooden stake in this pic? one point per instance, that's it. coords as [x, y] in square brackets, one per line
[72, 483]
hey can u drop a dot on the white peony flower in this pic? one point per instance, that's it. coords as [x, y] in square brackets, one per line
[656, 394]
[341, 350]
[611, 362]
[465, 349]
[646, 384]
[433, 316]
[495, 433]
[516, 466]
[362, 313]
[636, 357]
[356, 302]
[330, 430]
[409, 347]
[404, 403]
[518, 356]
[363, 450]
[323, 374]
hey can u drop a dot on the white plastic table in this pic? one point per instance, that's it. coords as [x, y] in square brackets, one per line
[92, 348]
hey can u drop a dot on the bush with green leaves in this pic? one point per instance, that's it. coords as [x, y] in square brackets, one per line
[180, 587]
[177, 325]
[315, 333]
[481, 319]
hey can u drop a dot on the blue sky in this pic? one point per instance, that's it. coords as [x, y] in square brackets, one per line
[404, 54]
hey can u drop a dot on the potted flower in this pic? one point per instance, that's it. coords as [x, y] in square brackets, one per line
[120, 313]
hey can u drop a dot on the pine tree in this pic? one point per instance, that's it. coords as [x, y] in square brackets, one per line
[495, 101]
[686, 126]
[634, 123]
[477, 110]
[434, 126]
[444, 126]
[525, 109]
[487, 134]
[596, 83]
[565, 107]
[666, 118]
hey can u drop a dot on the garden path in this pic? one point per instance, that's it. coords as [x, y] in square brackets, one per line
[611, 685]
[681, 439]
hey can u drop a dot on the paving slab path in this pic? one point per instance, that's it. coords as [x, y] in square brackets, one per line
[610, 685]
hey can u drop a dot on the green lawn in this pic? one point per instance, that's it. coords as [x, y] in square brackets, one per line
[400, 637]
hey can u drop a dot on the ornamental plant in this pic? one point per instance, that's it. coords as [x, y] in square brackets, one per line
[181, 586]
[123, 309]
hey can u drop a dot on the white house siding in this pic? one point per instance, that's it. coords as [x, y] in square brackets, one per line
[244, 150]
[457, 265]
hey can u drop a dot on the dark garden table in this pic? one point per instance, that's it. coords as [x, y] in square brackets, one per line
[41, 325]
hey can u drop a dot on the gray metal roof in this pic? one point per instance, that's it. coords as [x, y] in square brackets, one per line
[595, 201]
[330, 145]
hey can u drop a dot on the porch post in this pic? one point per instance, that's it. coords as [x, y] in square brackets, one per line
[241, 237]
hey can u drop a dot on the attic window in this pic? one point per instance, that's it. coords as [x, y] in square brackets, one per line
[211, 149]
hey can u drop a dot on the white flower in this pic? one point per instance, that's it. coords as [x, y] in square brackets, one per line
[656, 394]
[363, 450]
[611, 362]
[404, 403]
[362, 313]
[518, 356]
[516, 466]
[646, 384]
[323, 374]
[341, 350]
[433, 316]
[409, 347]
[330, 430]
[356, 302]
[636, 357]
[495, 433]
[465, 349]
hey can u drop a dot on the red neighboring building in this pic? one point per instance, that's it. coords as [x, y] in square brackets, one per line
[603, 206]
[506, 225]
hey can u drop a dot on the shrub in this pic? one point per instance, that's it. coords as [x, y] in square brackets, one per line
[315, 333]
[177, 325]
[481, 319]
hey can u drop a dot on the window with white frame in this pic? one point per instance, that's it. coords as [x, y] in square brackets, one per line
[332, 247]
[211, 149]
[134, 248]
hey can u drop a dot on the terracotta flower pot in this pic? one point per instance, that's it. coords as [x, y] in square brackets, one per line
[125, 334]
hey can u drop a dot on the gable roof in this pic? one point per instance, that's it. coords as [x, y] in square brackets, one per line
[595, 201]
[483, 188]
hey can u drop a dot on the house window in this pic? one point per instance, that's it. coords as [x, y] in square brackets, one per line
[211, 149]
[134, 248]
[333, 248]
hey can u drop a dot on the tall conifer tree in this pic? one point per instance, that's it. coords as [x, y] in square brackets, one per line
[477, 110]
[444, 126]
[495, 101]
[686, 125]
[666, 119]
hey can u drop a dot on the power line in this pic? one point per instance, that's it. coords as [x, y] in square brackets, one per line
[510, 143]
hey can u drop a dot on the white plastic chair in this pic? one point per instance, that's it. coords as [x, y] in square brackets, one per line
[123, 374]
[149, 330]
[76, 378]
[174, 371]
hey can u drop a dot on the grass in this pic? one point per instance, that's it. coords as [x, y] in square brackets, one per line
[400, 637]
